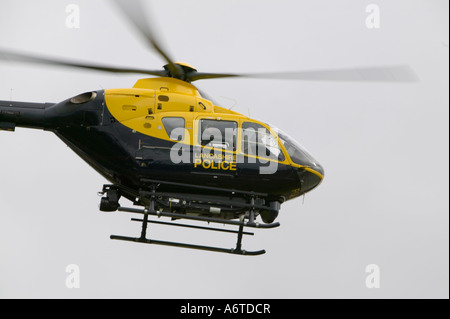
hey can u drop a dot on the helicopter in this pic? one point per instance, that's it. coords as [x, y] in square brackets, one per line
[173, 152]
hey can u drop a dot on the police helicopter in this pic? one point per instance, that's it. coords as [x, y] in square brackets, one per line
[173, 152]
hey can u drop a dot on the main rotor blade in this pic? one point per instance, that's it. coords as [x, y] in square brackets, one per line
[395, 73]
[134, 12]
[19, 57]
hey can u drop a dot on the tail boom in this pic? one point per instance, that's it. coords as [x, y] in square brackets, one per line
[22, 114]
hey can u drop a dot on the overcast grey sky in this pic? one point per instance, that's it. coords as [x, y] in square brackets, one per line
[384, 147]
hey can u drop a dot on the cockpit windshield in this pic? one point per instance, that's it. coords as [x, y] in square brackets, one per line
[298, 154]
[295, 151]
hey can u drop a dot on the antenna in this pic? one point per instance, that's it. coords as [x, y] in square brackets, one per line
[230, 99]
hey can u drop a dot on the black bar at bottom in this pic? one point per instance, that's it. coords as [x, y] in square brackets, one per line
[183, 245]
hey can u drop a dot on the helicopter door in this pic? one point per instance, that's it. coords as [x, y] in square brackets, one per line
[215, 144]
[260, 149]
[163, 131]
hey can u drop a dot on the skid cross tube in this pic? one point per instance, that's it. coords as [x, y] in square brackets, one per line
[200, 218]
[190, 226]
[216, 201]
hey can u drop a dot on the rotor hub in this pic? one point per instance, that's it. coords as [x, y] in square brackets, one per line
[182, 71]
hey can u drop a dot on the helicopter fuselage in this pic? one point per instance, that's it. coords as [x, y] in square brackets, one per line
[161, 130]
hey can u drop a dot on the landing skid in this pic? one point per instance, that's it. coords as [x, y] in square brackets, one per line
[246, 221]
[184, 245]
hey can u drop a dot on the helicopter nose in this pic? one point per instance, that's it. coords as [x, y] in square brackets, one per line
[317, 168]
[310, 176]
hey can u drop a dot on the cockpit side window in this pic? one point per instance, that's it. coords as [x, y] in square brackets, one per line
[174, 127]
[218, 134]
[258, 141]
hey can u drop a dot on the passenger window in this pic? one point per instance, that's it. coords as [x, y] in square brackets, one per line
[218, 134]
[258, 141]
[174, 127]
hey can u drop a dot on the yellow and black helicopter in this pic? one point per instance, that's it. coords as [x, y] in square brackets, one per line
[175, 153]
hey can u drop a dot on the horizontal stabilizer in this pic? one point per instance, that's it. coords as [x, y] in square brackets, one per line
[5, 126]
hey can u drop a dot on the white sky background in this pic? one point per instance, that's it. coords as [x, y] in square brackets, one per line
[384, 147]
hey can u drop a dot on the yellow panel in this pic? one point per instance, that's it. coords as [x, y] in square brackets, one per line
[142, 107]
[135, 108]
[125, 104]
[175, 102]
[167, 85]
[203, 105]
